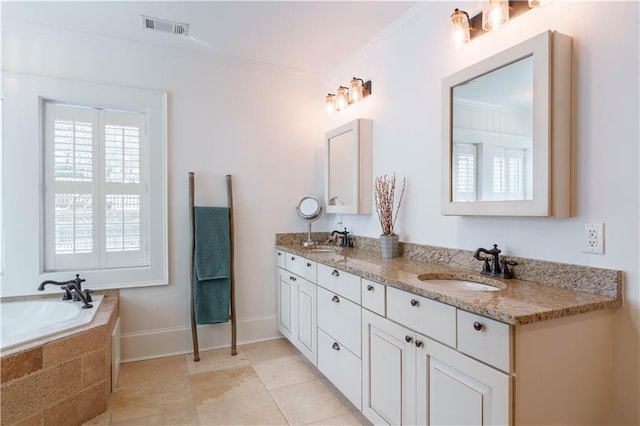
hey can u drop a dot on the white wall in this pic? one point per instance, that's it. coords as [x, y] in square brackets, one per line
[223, 117]
[406, 67]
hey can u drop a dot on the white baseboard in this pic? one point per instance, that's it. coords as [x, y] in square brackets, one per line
[177, 341]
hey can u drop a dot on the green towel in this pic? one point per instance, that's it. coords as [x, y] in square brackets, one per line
[212, 265]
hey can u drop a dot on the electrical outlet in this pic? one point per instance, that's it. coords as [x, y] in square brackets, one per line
[593, 239]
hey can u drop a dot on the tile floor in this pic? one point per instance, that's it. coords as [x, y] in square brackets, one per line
[265, 383]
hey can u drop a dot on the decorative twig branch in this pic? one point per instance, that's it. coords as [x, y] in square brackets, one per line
[385, 189]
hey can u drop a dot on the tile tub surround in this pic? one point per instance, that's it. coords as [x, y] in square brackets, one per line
[544, 290]
[62, 380]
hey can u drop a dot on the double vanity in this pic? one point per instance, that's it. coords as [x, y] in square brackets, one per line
[414, 340]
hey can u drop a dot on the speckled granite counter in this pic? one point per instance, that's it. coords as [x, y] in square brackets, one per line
[518, 302]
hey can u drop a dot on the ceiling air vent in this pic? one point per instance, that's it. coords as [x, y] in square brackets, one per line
[157, 24]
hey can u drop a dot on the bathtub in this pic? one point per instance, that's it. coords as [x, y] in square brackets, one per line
[25, 321]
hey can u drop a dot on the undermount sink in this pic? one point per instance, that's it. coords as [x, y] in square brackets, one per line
[321, 250]
[459, 284]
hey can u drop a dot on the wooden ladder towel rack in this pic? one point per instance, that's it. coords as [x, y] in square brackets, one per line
[232, 316]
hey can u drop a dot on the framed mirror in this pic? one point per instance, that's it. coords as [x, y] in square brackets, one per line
[506, 132]
[348, 184]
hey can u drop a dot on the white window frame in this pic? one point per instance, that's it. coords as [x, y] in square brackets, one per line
[23, 178]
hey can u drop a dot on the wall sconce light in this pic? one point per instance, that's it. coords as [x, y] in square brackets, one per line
[359, 89]
[495, 15]
[460, 22]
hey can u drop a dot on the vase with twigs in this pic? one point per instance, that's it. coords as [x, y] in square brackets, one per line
[385, 192]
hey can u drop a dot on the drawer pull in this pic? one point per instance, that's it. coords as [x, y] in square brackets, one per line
[478, 326]
[335, 299]
[336, 346]
[414, 302]
[408, 339]
[293, 258]
[335, 273]
[292, 278]
[419, 343]
[308, 265]
[369, 287]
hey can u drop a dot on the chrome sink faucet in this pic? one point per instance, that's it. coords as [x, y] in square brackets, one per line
[74, 285]
[494, 269]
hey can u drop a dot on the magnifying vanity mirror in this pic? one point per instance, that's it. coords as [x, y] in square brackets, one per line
[506, 132]
[310, 210]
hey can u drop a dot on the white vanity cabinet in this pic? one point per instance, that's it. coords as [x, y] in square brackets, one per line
[410, 378]
[339, 326]
[297, 316]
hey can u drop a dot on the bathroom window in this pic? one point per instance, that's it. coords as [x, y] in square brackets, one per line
[96, 204]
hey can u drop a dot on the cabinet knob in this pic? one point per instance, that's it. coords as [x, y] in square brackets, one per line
[292, 278]
[293, 258]
[369, 287]
[478, 326]
[408, 339]
[335, 273]
[336, 346]
[308, 265]
[419, 343]
[335, 299]
[414, 302]
[279, 254]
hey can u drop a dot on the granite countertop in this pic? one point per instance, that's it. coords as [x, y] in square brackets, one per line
[518, 302]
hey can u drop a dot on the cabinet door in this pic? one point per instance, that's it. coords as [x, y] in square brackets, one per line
[388, 371]
[454, 389]
[306, 334]
[286, 294]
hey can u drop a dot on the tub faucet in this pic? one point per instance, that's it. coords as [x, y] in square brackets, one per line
[74, 285]
[345, 238]
[494, 269]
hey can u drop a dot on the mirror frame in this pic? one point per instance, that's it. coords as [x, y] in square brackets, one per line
[361, 176]
[313, 216]
[551, 52]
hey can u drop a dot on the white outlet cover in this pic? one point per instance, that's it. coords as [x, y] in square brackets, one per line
[593, 238]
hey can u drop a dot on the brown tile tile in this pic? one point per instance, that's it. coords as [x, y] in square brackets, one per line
[35, 420]
[151, 398]
[134, 373]
[311, 401]
[30, 394]
[286, 371]
[78, 408]
[217, 359]
[256, 409]
[187, 416]
[264, 351]
[348, 419]
[72, 346]
[224, 384]
[94, 367]
[20, 364]
[100, 419]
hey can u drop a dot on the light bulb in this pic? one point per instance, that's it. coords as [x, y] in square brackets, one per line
[460, 22]
[496, 15]
[342, 98]
[356, 92]
[539, 3]
[330, 101]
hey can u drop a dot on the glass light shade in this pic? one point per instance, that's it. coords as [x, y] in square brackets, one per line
[460, 22]
[356, 92]
[495, 15]
[342, 98]
[330, 101]
[539, 3]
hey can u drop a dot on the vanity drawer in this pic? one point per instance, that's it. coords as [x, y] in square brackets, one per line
[341, 367]
[485, 339]
[301, 266]
[340, 282]
[280, 259]
[374, 296]
[433, 319]
[340, 318]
